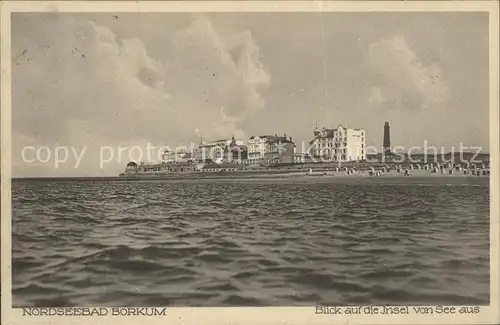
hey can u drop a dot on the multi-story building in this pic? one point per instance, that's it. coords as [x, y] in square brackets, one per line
[225, 150]
[257, 148]
[270, 149]
[181, 155]
[236, 152]
[169, 156]
[338, 144]
[279, 151]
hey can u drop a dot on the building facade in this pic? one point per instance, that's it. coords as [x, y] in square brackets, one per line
[279, 151]
[222, 151]
[266, 149]
[181, 155]
[257, 148]
[339, 144]
[236, 152]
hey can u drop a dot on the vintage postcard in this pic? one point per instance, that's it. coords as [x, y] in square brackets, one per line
[301, 162]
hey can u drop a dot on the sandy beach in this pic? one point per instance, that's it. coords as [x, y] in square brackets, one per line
[305, 174]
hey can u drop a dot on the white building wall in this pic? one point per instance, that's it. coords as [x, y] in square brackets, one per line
[256, 149]
[339, 144]
[355, 145]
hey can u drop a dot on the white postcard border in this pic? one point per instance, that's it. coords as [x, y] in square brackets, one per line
[246, 315]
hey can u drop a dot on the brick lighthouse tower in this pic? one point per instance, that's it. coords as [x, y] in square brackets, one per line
[387, 139]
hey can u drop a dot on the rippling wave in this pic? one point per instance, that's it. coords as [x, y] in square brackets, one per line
[250, 242]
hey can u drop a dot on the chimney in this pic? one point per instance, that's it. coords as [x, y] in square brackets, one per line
[291, 139]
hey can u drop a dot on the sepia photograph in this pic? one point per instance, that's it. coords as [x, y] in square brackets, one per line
[249, 158]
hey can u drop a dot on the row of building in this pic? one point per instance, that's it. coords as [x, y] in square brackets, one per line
[338, 144]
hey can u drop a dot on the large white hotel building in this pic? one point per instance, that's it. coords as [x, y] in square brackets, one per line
[338, 144]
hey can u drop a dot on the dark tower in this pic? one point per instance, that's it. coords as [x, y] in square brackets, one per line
[387, 139]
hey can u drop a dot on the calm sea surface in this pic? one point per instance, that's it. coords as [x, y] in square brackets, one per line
[250, 242]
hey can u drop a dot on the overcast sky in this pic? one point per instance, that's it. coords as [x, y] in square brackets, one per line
[93, 80]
